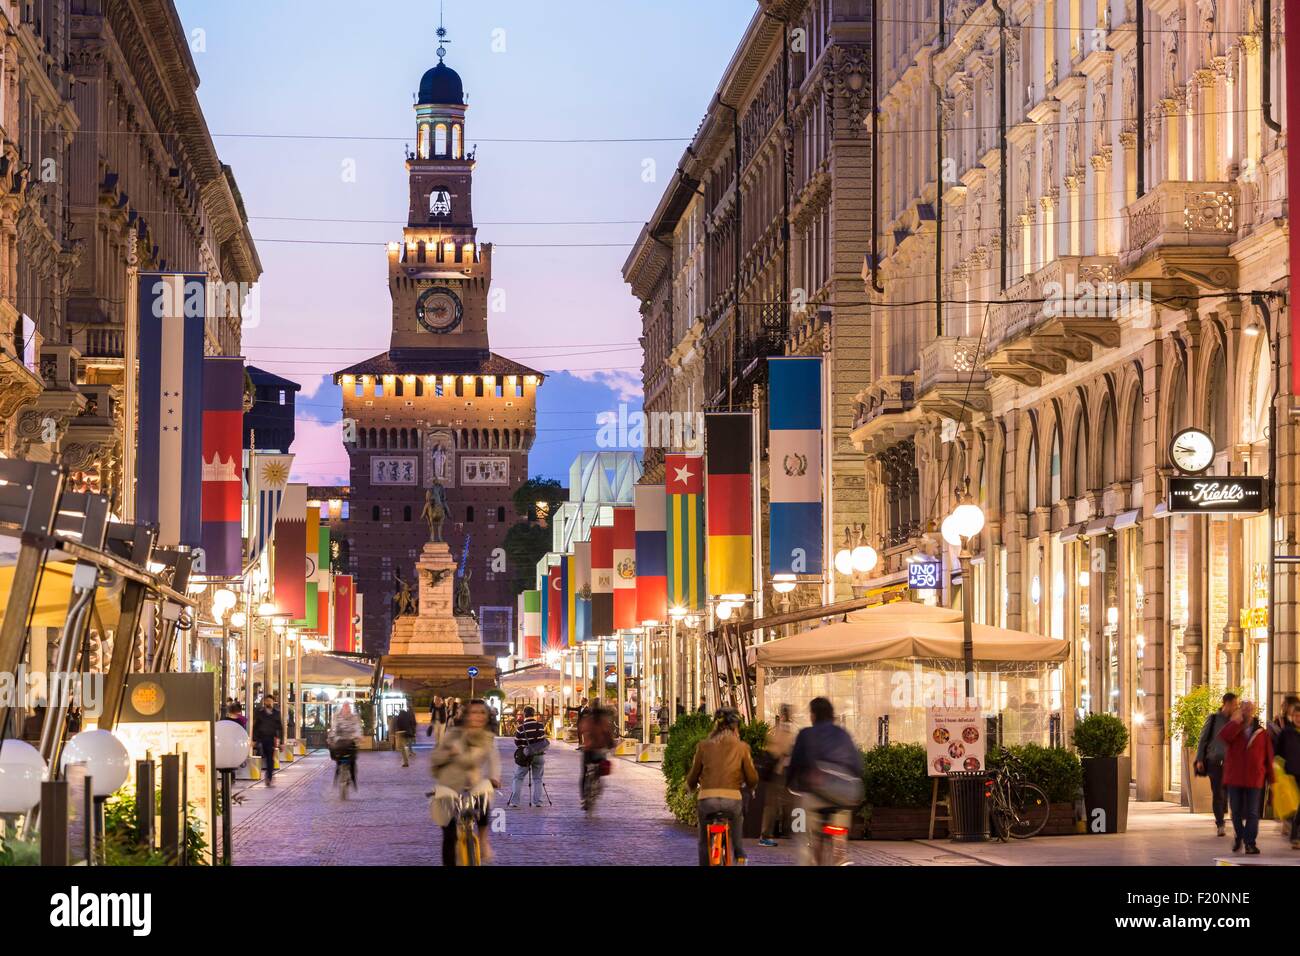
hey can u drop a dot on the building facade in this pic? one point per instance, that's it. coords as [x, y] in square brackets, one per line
[1066, 287]
[269, 423]
[439, 406]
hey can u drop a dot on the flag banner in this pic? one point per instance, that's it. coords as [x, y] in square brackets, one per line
[570, 612]
[325, 616]
[289, 574]
[531, 615]
[312, 543]
[625, 568]
[344, 611]
[323, 559]
[728, 449]
[794, 455]
[223, 451]
[358, 620]
[684, 486]
[169, 468]
[602, 581]
[544, 589]
[582, 589]
[555, 637]
[270, 478]
[651, 554]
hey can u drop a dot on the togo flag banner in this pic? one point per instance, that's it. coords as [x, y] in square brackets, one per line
[684, 486]
[582, 589]
[728, 500]
[169, 469]
[223, 450]
[795, 465]
[625, 568]
[289, 571]
[651, 555]
[602, 581]
[531, 615]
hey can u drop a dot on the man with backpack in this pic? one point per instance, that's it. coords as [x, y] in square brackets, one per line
[825, 769]
[1210, 751]
[530, 757]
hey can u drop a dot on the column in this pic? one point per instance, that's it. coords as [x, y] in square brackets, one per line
[1150, 745]
[1232, 637]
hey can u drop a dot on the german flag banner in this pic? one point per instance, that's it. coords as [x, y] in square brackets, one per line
[728, 450]
[684, 484]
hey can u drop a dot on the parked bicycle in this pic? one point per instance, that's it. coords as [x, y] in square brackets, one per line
[1017, 808]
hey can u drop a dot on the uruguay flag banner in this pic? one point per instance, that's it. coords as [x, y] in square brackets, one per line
[651, 554]
[795, 465]
[169, 469]
[270, 477]
[223, 449]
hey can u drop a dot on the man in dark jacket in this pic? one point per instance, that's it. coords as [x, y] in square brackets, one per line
[1288, 748]
[404, 734]
[823, 746]
[268, 730]
[1209, 756]
[530, 736]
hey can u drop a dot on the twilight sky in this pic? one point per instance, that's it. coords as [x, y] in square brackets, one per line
[297, 94]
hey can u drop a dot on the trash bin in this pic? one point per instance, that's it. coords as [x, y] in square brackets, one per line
[968, 806]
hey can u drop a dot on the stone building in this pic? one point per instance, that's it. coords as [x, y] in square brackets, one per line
[1097, 255]
[439, 405]
[756, 247]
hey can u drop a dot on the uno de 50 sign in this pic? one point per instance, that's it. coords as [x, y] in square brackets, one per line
[1239, 494]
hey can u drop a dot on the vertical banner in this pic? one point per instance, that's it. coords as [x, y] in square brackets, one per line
[289, 574]
[344, 611]
[270, 477]
[358, 620]
[728, 502]
[322, 578]
[651, 554]
[625, 568]
[582, 589]
[531, 615]
[169, 465]
[223, 449]
[602, 581]
[555, 638]
[309, 621]
[684, 486]
[795, 465]
[569, 614]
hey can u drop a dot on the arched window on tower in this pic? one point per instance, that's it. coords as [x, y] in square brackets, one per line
[440, 139]
[456, 145]
[422, 143]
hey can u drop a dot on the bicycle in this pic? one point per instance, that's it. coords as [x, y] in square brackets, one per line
[1017, 809]
[718, 827]
[469, 809]
[831, 845]
[594, 768]
[345, 759]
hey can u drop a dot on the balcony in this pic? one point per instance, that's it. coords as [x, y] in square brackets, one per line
[102, 342]
[761, 331]
[953, 377]
[1181, 216]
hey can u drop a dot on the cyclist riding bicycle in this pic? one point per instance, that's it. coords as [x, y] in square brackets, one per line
[465, 762]
[825, 770]
[595, 739]
[342, 739]
[723, 764]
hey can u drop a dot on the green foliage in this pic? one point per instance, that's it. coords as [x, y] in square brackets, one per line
[525, 544]
[1100, 735]
[366, 711]
[1055, 770]
[121, 833]
[15, 852]
[894, 776]
[1190, 712]
[534, 490]
[681, 803]
[683, 737]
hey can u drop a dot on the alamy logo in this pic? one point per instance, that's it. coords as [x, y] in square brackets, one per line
[76, 909]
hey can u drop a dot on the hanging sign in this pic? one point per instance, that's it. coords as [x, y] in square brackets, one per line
[924, 575]
[1234, 494]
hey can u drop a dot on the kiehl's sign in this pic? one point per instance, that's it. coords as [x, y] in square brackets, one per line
[1235, 494]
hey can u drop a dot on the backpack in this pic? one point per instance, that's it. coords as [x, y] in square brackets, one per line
[836, 786]
[522, 757]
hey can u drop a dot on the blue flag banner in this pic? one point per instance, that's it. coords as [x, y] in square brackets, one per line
[169, 470]
[795, 463]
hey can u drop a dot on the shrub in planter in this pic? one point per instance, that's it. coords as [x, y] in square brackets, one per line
[1055, 770]
[1186, 719]
[894, 776]
[1100, 735]
[1100, 740]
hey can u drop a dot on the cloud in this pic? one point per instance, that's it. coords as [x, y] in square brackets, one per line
[319, 456]
[626, 385]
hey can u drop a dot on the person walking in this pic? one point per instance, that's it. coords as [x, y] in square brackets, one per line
[1247, 766]
[823, 754]
[1283, 718]
[268, 730]
[780, 744]
[1288, 748]
[722, 766]
[1210, 751]
[530, 745]
[437, 719]
[404, 733]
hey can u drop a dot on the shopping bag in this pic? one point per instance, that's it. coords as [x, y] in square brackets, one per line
[1286, 793]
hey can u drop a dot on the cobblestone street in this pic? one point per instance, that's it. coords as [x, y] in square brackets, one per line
[302, 820]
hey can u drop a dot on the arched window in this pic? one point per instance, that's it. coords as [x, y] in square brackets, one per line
[422, 143]
[1031, 477]
[1054, 466]
[1135, 439]
[1107, 445]
[1217, 412]
[419, 387]
[1081, 458]
[440, 139]
[383, 438]
[455, 141]
[397, 387]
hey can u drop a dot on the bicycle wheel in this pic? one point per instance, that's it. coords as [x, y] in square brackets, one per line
[719, 846]
[467, 848]
[1029, 811]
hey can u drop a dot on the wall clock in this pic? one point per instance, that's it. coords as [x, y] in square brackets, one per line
[1191, 451]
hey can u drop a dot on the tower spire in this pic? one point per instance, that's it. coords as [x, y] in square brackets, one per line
[442, 36]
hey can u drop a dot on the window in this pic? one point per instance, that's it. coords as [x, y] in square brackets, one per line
[478, 387]
[440, 139]
[519, 390]
[469, 513]
[281, 396]
[406, 513]
[1054, 474]
[500, 389]
[379, 388]
[397, 388]
[374, 513]
[346, 511]
[501, 513]
[455, 141]
[437, 388]
[1031, 479]
[1080, 459]
[460, 388]
[419, 387]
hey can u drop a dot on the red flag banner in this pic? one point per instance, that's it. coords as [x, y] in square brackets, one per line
[344, 610]
[290, 580]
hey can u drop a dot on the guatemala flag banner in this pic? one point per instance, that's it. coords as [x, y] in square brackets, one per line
[795, 464]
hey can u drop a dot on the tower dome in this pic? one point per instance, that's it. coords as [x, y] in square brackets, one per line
[441, 86]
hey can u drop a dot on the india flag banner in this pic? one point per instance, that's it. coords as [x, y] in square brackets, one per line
[270, 478]
[728, 451]
[684, 486]
[169, 470]
[625, 568]
[309, 622]
[602, 581]
[223, 450]
[289, 568]
[532, 618]
[555, 636]
[651, 554]
[582, 589]
[795, 465]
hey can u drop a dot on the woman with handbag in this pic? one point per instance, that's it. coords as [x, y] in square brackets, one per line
[1288, 751]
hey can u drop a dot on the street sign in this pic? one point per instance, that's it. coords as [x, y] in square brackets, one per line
[924, 574]
[473, 672]
[1234, 494]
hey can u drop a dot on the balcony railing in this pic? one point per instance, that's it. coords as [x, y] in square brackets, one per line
[1074, 284]
[1181, 214]
[951, 360]
[761, 330]
[105, 342]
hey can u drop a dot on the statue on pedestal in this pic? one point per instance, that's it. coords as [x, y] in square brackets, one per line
[462, 594]
[403, 598]
[435, 510]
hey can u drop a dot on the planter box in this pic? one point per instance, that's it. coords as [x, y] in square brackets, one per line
[1197, 794]
[893, 823]
[1060, 820]
[1105, 793]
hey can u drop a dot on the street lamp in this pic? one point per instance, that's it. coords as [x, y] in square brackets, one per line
[783, 583]
[107, 763]
[231, 751]
[965, 522]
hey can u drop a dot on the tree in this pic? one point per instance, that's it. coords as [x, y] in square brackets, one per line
[538, 489]
[526, 542]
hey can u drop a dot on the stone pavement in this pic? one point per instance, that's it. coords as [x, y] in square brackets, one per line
[302, 821]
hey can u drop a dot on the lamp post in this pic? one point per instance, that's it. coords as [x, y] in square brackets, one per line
[965, 522]
[107, 763]
[231, 751]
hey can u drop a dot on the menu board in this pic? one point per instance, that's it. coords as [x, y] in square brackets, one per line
[954, 739]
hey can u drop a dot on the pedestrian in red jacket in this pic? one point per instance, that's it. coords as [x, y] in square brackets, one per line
[1247, 766]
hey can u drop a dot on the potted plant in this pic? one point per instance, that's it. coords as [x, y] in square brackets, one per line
[897, 793]
[1100, 740]
[1186, 720]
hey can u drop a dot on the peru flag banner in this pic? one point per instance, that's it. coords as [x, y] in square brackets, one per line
[555, 636]
[625, 568]
[684, 487]
[728, 501]
[344, 611]
[582, 590]
[602, 581]
[651, 554]
[169, 469]
[795, 465]
[223, 451]
[289, 570]
[531, 615]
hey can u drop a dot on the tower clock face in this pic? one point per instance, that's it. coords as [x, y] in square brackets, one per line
[438, 309]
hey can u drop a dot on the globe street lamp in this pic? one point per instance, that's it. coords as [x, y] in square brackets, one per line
[231, 751]
[21, 771]
[965, 523]
[107, 764]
